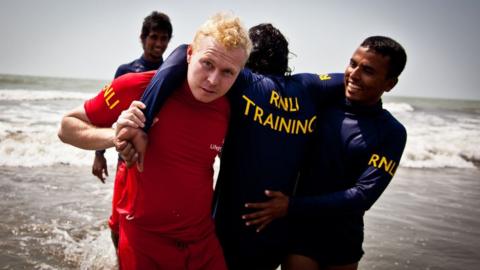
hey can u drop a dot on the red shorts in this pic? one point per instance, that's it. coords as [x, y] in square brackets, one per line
[118, 188]
[157, 252]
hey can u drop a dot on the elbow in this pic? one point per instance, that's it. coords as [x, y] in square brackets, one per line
[62, 135]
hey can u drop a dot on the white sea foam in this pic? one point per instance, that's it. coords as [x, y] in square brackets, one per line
[30, 149]
[35, 95]
[437, 141]
[398, 107]
[29, 124]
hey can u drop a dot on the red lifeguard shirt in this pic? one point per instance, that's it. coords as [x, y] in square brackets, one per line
[174, 192]
[103, 110]
[173, 195]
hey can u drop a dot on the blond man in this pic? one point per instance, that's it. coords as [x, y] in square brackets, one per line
[165, 211]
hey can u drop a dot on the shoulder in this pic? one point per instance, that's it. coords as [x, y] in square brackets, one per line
[394, 127]
[133, 80]
[128, 68]
[314, 78]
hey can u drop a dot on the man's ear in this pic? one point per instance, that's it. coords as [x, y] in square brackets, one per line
[189, 53]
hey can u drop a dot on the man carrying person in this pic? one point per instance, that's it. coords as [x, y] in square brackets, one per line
[165, 219]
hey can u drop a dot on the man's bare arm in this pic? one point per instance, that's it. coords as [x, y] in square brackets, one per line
[77, 130]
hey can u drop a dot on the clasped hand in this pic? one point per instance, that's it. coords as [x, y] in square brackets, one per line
[130, 140]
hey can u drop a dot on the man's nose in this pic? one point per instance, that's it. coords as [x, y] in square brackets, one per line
[214, 77]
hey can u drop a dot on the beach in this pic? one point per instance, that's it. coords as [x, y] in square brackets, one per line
[56, 211]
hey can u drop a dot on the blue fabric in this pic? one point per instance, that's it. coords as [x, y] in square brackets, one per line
[355, 155]
[137, 65]
[167, 79]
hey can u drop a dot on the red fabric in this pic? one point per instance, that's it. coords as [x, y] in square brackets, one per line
[159, 252]
[118, 188]
[103, 110]
[173, 195]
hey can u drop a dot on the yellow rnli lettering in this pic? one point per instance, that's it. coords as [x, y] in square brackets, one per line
[393, 168]
[311, 124]
[277, 122]
[303, 126]
[324, 77]
[249, 102]
[283, 104]
[285, 125]
[107, 90]
[288, 104]
[269, 121]
[373, 160]
[274, 97]
[108, 94]
[381, 162]
[384, 163]
[114, 103]
[258, 115]
[294, 107]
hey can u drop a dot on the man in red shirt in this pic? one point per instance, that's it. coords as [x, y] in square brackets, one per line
[165, 215]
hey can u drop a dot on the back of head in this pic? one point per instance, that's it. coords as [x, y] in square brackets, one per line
[156, 21]
[390, 48]
[270, 50]
[225, 29]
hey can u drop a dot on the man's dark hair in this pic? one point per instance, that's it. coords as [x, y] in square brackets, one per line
[270, 50]
[156, 21]
[390, 48]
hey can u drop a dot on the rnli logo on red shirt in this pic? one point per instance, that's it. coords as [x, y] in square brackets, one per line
[109, 96]
[216, 147]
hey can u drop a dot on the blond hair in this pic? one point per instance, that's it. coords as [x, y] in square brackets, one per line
[227, 30]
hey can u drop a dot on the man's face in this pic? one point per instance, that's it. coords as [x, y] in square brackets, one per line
[155, 45]
[212, 69]
[366, 77]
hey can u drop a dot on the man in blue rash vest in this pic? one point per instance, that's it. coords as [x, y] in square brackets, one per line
[357, 149]
[272, 119]
[155, 36]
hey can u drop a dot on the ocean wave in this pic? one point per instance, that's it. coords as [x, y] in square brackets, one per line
[438, 141]
[33, 149]
[398, 107]
[43, 148]
[28, 137]
[37, 95]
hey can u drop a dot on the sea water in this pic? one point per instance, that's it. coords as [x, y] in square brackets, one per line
[54, 211]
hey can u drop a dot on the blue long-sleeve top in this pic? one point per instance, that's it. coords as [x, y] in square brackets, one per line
[137, 65]
[356, 153]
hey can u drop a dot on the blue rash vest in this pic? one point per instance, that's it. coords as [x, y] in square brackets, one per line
[356, 152]
[272, 121]
[137, 65]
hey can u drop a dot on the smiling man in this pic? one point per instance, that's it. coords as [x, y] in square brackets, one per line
[356, 152]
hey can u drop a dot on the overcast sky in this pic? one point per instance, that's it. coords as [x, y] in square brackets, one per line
[89, 39]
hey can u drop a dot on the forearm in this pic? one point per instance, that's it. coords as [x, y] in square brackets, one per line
[351, 200]
[84, 135]
[167, 79]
